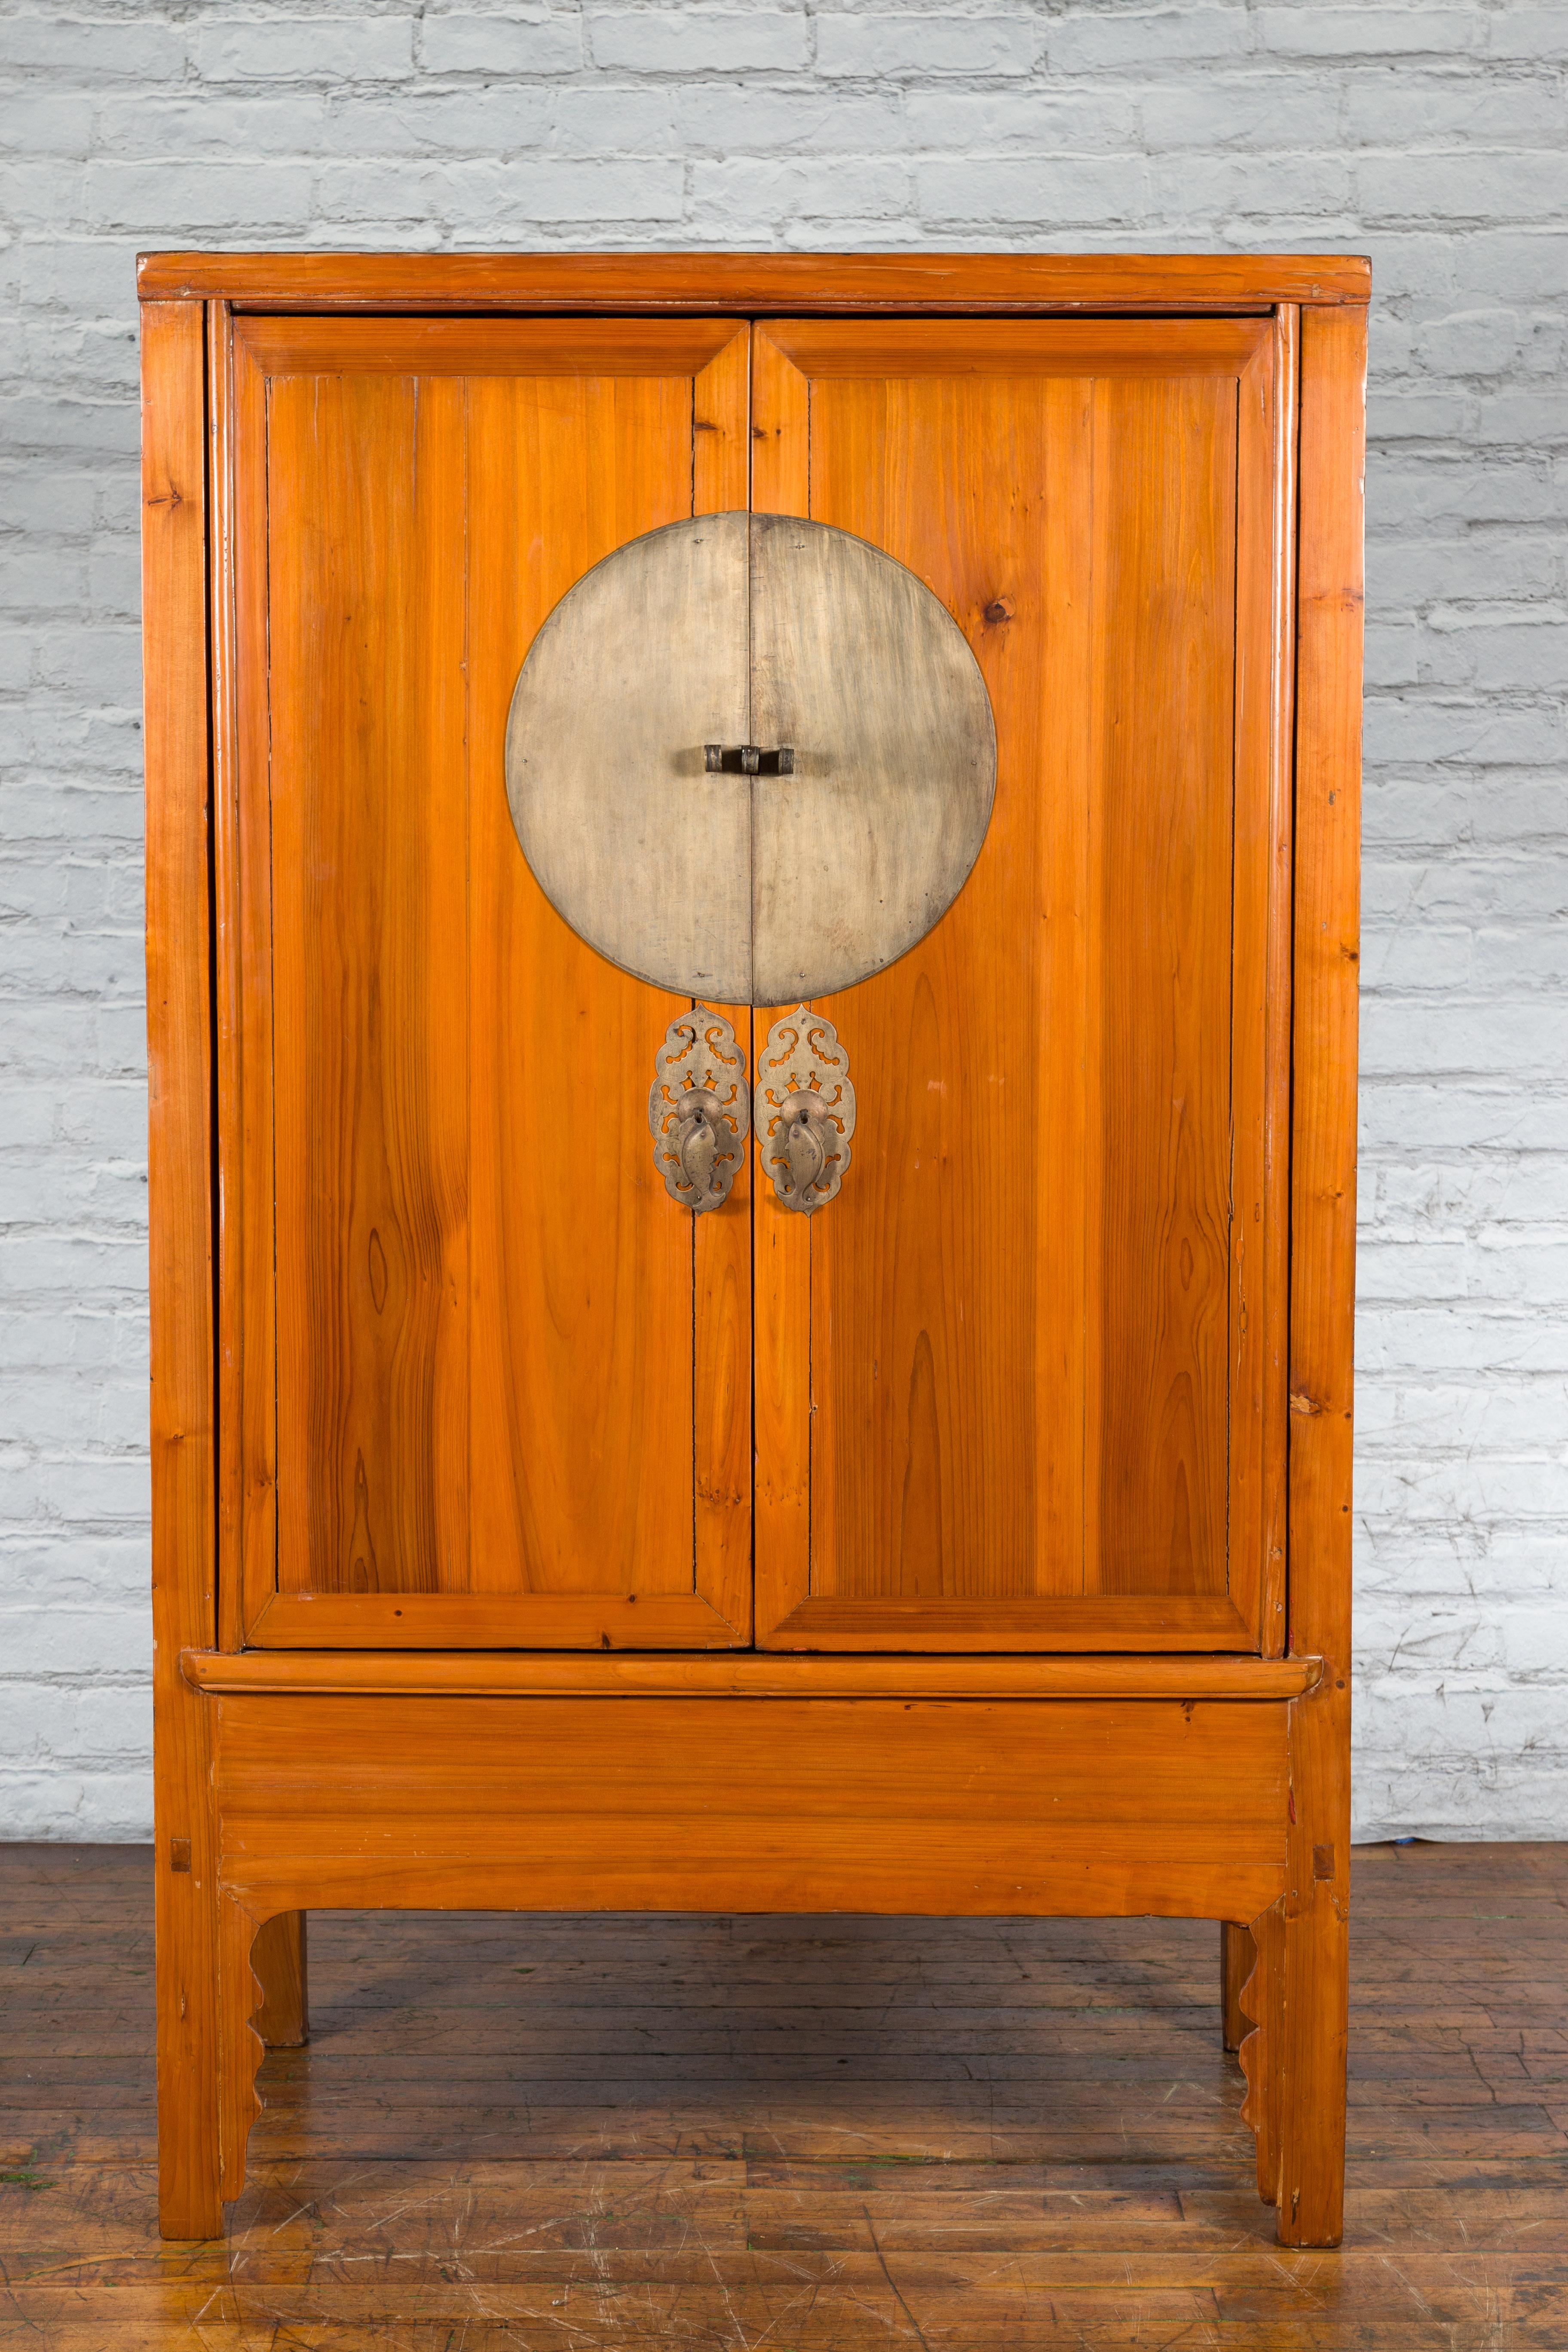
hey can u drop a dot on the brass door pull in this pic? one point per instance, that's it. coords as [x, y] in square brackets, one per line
[804, 1109]
[699, 1109]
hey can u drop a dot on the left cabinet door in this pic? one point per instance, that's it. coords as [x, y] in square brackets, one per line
[482, 1381]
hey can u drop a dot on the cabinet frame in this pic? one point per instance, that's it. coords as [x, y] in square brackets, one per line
[233, 1804]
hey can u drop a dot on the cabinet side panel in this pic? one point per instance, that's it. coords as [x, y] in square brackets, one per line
[1322, 1269]
[1327, 951]
[179, 1175]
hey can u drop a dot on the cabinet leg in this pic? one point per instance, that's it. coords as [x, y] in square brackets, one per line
[1314, 1987]
[240, 2047]
[283, 2020]
[1260, 2003]
[1236, 1956]
[210, 1997]
[190, 2203]
[1312, 2072]
[1294, 2061]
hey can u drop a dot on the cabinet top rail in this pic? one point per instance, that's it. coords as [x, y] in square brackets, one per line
[762, 283]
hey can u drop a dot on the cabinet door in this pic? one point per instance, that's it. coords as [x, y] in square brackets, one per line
[1021, 1384]
[482, 1382]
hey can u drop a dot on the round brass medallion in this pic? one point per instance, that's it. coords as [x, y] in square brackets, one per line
[750, 759]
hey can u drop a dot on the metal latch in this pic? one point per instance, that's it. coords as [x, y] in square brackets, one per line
[747, 760]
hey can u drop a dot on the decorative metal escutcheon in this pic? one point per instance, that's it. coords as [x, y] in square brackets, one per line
[750, 758]
[699, 1109]
[804, 1109]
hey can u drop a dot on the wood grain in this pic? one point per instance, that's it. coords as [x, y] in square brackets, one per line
[788, 282]
[582, 1475]
[366, 646]
[229, 996]
[179, 1163]
[1094, 1620]
[1323, 1270]
[690, 2129]
[1078, 349]
[781, 1241]
[722, 1381]
[601, 348]
[753, 1674]
[240, 2047]
[281, 1959]
[445, 1297]
[924, 1447]
[1019, 1329]
[1260, 1237]
[1160, 1095]
[1238, 1957]
[1261, 2002]
[577, 1617]
[245, 1170]
[900, 1804]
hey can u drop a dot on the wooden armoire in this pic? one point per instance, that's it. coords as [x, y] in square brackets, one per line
[751, 907]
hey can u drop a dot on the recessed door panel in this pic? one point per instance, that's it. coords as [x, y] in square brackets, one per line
[512, 1399]
[1010, 1381]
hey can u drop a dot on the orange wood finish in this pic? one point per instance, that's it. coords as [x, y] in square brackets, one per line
[714, 1804]
[756, 283]
[599, 349]
[281, 1963]
[247, 1334]
[440, 1443]
[1309, 2075]
[1238, 1958]
[870, 1805]
[1262, 950]
[1026, 1366]
[747, 1674]
[471, 1400]
[418, 1620]
[179, 1161]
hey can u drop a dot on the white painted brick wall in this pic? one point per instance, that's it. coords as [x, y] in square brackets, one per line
[1432, 137]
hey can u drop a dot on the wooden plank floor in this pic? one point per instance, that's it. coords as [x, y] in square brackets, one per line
[790, 2135]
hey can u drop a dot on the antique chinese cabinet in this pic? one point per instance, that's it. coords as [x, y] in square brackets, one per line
[751, 900]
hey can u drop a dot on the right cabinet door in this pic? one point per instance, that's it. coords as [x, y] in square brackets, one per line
[1021, 1384]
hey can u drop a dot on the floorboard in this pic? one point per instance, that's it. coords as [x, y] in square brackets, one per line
[786, 2135]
